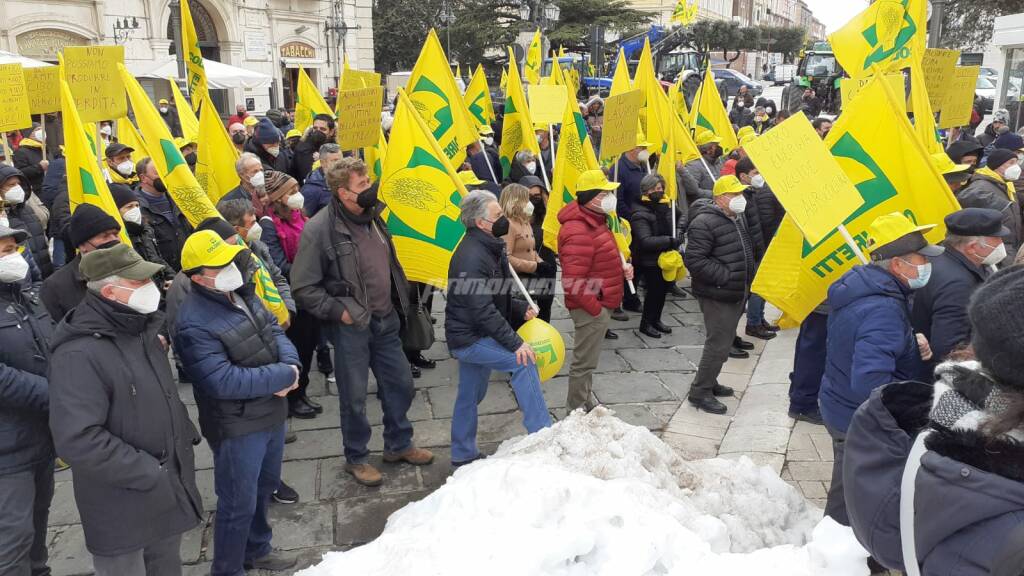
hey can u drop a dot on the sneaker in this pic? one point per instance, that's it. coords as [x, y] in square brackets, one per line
[324, 363]
[276, 561]
[760, 332]
[711, 405]
[619, 315]
[813, 416]
[285, 494]
[735, 352]
[60, 465]
[742, 344]
[412, 455]
[365, 474]
[722, 391]
[330, 379]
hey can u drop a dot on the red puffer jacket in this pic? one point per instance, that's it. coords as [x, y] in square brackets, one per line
[591, 269]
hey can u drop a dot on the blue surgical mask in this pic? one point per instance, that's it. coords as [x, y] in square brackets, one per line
[924, 272]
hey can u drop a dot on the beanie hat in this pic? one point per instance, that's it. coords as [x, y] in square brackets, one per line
[219, 225]
[277, 184]
[997, 328]
[585, 196]
[1009, 141]
[266, 133]
[88, 221]
[998, 157]
[122, 194]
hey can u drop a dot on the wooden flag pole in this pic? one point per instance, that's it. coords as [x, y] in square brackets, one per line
[853, 245]
[490, 167]
[522, 288]
[8, 153]
[543, 172]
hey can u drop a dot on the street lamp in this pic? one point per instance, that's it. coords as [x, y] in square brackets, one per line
[123, 29]
[447, 17]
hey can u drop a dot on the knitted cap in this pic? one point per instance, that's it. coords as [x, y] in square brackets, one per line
[88, 221]
[999, 156]
[122, 194]
[997, 327]
[266, 133]
[1009, 141]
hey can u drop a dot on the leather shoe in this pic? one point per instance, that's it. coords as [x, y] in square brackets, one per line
[412, 455]
[711, 405]
[316, 406]
[771, 327]
[365, 474]
[290, 437]
[737, 353]
[660, 327]
[677, 291]
[416, 373]
[722, 391]
[813, 416]
[742, 344]
[760, 332]
[619, 314]
[420, 362]
[647, 330]
[299, 409]
[276, 561]
[609, 335]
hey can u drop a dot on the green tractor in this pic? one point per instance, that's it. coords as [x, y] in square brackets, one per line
[818, 69]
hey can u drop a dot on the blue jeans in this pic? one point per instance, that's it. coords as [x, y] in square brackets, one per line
[377, 347]
[808, 363]
[475, 364]
[59, 257]
[246, 471]
[755, 310]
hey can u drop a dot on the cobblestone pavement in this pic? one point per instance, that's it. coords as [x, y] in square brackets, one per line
[644, 380]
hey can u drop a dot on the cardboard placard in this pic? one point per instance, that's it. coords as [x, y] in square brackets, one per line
[938, 66]
[805, 177]
[956, 111]
[356, 79]
[850, 87]
[547, 103]
[43, 85]
[359, 117]
[621, 118]
[95, 83]
[14, 111]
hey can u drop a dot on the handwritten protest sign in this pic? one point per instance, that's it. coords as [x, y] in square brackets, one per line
[621, 118]
[359, 117]
[547, 103]
[95, 84]
[938, 66]
[850, 87]
[43, 85]
[356, 79]
[956, 111]
[14, 113]
[805, 177]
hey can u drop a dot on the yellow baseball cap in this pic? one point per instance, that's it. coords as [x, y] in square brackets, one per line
[163, 101]
[707, 137]
[250, 121]
[946, 166]
[894, 235]
[469, 178]
[594, 180]
[537, 127]
[641, 139]
[747, 138]
[293, 133]
[206, 249]
[728, 184]
[181, 142]
[485, 130]
[744, 131]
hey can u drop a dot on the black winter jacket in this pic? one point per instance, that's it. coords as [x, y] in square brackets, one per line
[117, 420]
[144, 241]
[652, 232]
[752, 216]
[720, 254]
[63, 290]
[769, 212]
[170, 234]
[23, 218]
[480, 302]
[25, 332]
[27, 159]
[281, 163]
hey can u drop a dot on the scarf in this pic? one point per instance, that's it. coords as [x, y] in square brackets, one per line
[30, 143]
[289, 230]
[986, 171]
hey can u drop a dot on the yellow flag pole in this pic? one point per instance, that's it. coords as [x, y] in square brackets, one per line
[7, 150]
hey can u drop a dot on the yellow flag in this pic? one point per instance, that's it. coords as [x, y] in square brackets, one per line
[503, 84]
[437, 98]
[685, 12]
[195, 70]
[181, 183]
[677, 102]
[924, 118]
[422, 192]
[709, 113]
[458, 71]
[375, 156]
[128, 135]
[620, 79]
[215, 155]
[478, 98]
[561, 51]
[888, 33]
[574, 156]
[875, 145]
[308, 102]
[534, 59]
[557, 74]
[517, 127]
[187, 118]
[86, 185]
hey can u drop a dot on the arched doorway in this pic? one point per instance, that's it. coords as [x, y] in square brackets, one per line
[209, 43]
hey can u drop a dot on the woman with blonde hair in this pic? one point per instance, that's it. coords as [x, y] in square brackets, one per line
[520, 242]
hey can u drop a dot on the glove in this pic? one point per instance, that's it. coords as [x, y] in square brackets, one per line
[545, 268]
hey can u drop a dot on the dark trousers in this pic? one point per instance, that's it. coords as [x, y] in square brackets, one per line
[304, 332]
[161, 558]
[542, 290]
[246, 472]
[808, 363]
[835, 504]
[720, 320]
[377, 347]
[654, 295]
[629, 298]
[24, 511]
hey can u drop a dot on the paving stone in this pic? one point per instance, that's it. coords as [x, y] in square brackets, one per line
[197, 569]
[68, 556]
[738, 382]
[336, 483]
[192, 543]
[630, 387]
[331, 417]
[813, 489]
[445, 374]
[812, 471]
[626, 339]
[555, 391]
[741, 365]
[768, 398]
[314, 444]
[655, 360]
[755, 439]
[302, 476]
[750, 414]
[498, 427]
[802, 427]
[698, 430]
[499, 399]
[677, 382]
[823, 445]
[63, 510]
[360, 520]
[772, 369]
[302, 525]
[691, 319]
[680, 336]
[663, 411]
[637, 415]
[691, 447]
[203, 454]
[802, 456]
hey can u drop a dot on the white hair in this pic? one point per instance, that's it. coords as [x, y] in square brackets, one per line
[97, 285]
[243, 159]
[474, 207]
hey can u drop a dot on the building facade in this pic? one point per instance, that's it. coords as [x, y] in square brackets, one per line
[706, 9]
[274, 37]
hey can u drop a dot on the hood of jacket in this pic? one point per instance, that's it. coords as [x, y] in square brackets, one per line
[863, 281]
[97, 317]
[573, 211]
[9, 171]
[706, 206]
[957, 150]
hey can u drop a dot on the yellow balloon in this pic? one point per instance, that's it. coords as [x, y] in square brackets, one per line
[547, 344]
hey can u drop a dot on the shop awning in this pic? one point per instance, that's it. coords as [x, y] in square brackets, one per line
[218, 74]
[12, 58]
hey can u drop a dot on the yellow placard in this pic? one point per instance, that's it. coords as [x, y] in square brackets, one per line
[850, 87]
[95, 84]
[359, 117]
[356, 79]
[547, 103]
[621, 117]
[938, 66]
[805, 177]
[43, 85]
[14, 111]
[956, 111]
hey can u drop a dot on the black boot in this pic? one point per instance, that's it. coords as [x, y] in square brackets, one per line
[647, 330]
[742, 344]
[711, 405]
[299, 409]
[660, 327]
[313, 404]
[420, 361]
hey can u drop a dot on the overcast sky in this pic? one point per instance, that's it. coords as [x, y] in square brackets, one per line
[835, 13]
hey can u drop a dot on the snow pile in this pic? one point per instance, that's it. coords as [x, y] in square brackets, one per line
[595, 496]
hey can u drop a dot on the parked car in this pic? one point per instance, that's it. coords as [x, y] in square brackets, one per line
[731, 80]
[782, 74]
[990, 73]
[985, 89]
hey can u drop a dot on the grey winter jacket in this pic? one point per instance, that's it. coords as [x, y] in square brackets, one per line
[697, 183]
[983, 191]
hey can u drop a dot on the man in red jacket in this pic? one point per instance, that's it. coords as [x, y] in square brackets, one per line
[592, 276]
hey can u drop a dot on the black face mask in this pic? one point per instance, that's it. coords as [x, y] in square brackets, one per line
[238, 138]
[499, 227]
[158, 185]
[190, 158]
[317, 139]
[538, 203]
[655, 198]
[110, 244]
[368, 198]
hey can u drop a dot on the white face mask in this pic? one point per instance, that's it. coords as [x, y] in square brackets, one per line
[531, 167]
[274, 151]
[105, 131]
[5, 222]
[228, 279]
[757, 181]
[13, 268]
[739, 103]
[295, 201]
[15, 195]
[996, 256]
[608, 204]
[1012, 173]
[38, 135]
[540, 138]
[125, 168]
[134, 216]
[738, 204]
[144, 299]
[258, 179]
[488, 140]
[643, 156]
[163, 109]
[528, 209]
[255, 232]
